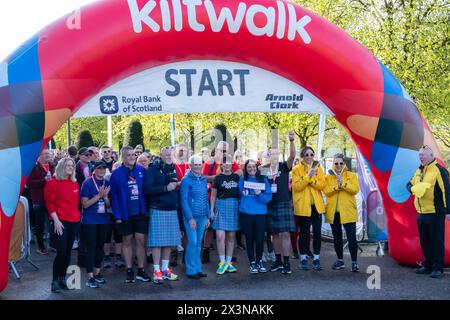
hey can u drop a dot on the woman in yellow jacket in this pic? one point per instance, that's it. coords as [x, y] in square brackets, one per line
[341, 189]
[307, 183]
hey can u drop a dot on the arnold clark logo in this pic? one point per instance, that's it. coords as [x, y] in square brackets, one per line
[109, 105]
[284, 102]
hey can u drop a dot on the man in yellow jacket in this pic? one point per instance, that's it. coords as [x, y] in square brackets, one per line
[308, 182]
[431, 189]
[341, 189]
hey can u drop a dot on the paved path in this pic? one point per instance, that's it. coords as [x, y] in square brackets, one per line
[397, 282]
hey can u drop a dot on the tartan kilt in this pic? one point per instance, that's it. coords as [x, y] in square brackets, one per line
[226, 215]
[281, 217]
[164, 229]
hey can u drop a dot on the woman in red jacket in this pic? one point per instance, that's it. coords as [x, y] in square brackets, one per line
[62, 196]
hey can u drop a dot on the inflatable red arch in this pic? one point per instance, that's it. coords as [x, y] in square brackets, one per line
[59, 70]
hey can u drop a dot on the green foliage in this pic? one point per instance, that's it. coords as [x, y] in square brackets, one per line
[412, 38]
[84, 139]
[134, 134]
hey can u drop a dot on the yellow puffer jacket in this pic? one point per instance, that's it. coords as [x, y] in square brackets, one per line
[303, 186]
[430, 186]
[346, 196]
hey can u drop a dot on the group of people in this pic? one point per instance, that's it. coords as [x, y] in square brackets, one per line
[177, 199]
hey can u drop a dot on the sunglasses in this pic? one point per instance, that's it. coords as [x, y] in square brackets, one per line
[338, 163]
[309, 154]
[107, 151]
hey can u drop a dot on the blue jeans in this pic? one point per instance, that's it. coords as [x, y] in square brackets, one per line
[194, 246]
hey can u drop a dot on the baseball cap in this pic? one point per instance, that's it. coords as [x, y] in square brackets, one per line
[100, 165]
[84, 151]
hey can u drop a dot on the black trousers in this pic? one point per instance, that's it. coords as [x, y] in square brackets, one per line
[94, 236]
[64, 245]
[350, 231]
[305, 226]
[40, 216]
[432, 233]
[254, 228]
[114, 231]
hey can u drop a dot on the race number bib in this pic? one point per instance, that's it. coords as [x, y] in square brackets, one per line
[274, 188]
[101, 207]
[135, 191]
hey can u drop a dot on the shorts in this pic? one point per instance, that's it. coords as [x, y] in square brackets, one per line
[114, 231]
[137, 224]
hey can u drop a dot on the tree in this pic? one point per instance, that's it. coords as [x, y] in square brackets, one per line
[84, 139]
[224, 135]
[410, 37]
[134, 134]
[96, 125]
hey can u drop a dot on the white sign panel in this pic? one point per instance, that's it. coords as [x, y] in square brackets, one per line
[254, 185]
[202, 86]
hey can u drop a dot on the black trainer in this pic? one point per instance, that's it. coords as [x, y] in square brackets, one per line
[62, 283]
[338, 265]
[99, 279]
[286, 269]
[142, 276]
[55, 287]
[355, 267]
[130, 276]
[91, 283]
[253, 268]
[277, 266]
[436, 274]
[316, 265]
[304, 265]
[260, 266]
[423, 270]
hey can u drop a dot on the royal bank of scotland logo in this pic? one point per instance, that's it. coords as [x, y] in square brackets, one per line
[109, 105]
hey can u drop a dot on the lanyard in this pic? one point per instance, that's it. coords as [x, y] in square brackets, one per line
[132, 179]
[273, 174]
[95, 184]
[46, 167]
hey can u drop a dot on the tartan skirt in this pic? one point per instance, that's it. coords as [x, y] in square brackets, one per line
[281, 217]
[164, 229]
[226, 215]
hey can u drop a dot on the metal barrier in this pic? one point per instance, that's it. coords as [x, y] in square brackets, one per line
[20, 248]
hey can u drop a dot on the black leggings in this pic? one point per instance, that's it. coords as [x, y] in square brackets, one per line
[254, 228]
[40, 216]
[64, 245]
[350, 231]
[305, 227]
[94, 236]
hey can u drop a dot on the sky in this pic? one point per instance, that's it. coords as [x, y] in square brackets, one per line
[21, 19]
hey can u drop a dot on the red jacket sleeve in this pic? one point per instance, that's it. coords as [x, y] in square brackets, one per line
[50, 196]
